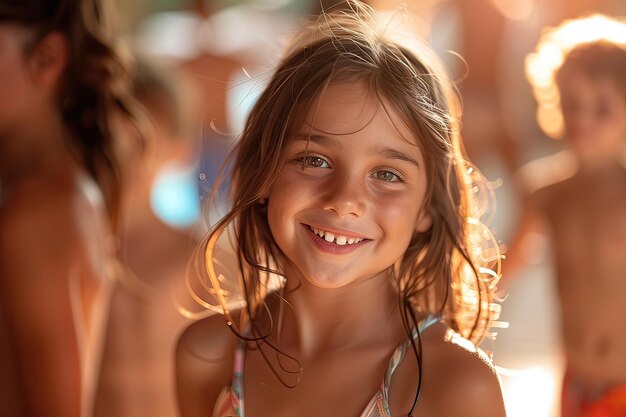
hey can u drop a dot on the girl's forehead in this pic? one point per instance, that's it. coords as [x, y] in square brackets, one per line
[349, 105]
[345, 108]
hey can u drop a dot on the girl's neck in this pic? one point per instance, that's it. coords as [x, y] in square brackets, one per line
[363, 313]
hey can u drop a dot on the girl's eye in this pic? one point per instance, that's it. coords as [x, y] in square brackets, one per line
[314, 162]
[387, 176]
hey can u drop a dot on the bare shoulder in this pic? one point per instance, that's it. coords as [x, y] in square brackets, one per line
[32, 195]
[209, 338]
[37, 223]
[39, 206]
[204, 364]
[459, 378]
[547, 171]
[545, 179]
[41, 249]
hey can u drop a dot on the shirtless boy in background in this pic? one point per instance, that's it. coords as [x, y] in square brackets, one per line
[579, 197]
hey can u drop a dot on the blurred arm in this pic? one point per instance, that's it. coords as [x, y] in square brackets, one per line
[37, 259]
[534, 187]
[530, 223]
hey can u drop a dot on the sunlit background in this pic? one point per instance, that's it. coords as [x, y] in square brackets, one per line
[503, 127]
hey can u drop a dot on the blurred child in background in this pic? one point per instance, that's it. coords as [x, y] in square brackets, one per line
[579, 198]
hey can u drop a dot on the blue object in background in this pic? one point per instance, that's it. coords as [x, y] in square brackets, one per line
[174, 198]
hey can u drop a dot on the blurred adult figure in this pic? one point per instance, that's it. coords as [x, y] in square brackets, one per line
[64, 97]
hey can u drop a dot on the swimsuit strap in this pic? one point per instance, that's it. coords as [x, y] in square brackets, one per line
[237, 382]
[400, 352]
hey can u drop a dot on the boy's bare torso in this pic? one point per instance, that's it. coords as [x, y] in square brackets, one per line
[586, 216]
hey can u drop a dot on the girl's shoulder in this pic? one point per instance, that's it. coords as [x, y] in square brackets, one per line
[459, 378]
[204, 364]
[209, 337]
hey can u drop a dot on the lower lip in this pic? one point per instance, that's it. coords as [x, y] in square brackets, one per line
[333, 248]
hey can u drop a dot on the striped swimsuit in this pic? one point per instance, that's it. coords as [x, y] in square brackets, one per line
[230, 400]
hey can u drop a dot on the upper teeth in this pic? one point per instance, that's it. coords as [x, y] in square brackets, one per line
[337, 239]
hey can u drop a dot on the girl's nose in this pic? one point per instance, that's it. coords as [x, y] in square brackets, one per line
[345, 196]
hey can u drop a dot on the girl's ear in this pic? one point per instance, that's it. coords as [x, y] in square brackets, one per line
[424, 221]
[49, 59]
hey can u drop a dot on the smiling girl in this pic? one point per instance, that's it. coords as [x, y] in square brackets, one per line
[350, 188]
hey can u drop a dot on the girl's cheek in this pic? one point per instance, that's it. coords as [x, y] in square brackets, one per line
[398, 207]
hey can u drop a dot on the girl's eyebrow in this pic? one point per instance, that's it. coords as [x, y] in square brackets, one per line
[390, 153]
[382, 150]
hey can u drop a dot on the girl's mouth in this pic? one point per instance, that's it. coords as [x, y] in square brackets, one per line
[337, 239]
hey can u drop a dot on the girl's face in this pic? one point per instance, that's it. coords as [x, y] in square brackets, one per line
[594, 115]
[15, 83]
[347, 203]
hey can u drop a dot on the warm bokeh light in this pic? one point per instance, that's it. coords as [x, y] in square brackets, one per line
[515, 9]
[554, 45]
[530, 392]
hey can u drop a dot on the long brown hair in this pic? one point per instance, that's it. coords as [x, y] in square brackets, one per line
[451, 269]
[96, 84]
